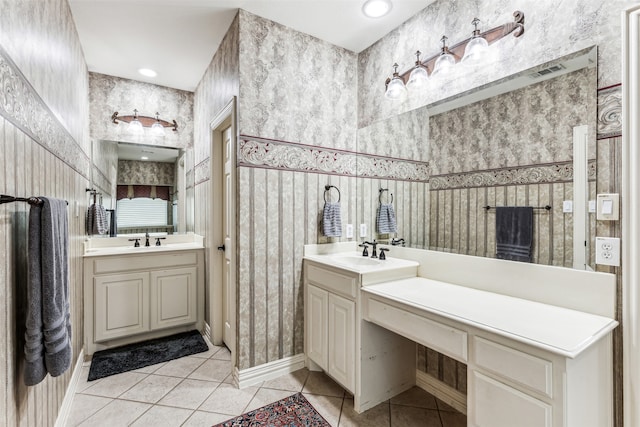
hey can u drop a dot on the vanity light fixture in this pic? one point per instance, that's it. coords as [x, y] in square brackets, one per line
[419, 75]
[470, 51]
[376, 8]
[138, 122]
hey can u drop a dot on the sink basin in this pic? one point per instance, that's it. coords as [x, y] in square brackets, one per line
[356, 260]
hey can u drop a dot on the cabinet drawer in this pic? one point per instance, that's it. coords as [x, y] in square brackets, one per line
[332, 281]
[442, 338]
[114, 264]
[497, 405]
[521, 368]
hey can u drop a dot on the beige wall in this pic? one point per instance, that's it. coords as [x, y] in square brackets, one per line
[44, 150]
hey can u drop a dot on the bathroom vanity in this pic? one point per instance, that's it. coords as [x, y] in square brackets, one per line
[536, 339]
[137, 293]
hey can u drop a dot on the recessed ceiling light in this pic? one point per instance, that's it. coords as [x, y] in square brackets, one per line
[147, 72]
[376, 8]
[144, 158]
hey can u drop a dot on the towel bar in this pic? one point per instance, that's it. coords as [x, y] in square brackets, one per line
[10, 199]
[547, 207]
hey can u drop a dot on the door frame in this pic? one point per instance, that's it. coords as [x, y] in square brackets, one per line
[227, 117]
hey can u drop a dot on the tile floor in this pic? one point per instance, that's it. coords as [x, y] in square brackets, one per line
[197, 391]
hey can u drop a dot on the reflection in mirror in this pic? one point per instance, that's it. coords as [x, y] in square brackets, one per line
[509, 143]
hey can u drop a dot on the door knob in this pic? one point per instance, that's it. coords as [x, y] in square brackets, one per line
[221, 247]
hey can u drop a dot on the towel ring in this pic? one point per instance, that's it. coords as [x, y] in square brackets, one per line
[382, 190]
[329, 187]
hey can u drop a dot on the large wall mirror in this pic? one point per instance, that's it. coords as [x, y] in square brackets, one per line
[508, 143]
[145, 185]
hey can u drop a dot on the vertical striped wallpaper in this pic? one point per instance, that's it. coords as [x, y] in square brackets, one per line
[46, 153]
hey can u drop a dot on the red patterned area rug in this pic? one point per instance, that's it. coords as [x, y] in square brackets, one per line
[292, 411]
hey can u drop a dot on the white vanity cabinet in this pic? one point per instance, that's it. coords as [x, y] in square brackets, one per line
[137, 296]
[330, 321]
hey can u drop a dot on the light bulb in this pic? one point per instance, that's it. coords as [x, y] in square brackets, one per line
[444, 63]
[135, 127]
[419, 76]
[395, 88]
[477, 47]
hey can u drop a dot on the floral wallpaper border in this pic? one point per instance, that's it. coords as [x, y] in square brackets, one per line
[610, 112]
[21, 105]
[273, 154]
[535, 174]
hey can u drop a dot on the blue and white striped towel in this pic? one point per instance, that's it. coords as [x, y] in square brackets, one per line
[386, 220]
[332, 220]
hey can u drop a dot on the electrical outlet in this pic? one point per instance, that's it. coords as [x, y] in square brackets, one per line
[608, 251]
[349, 231]
[592, 206]
[363, 230]
[567, 206]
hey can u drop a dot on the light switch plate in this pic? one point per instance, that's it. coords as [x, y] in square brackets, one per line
[363, 230]
[349, 231]
[608, 251]
[567, 206]
[608, 208]
[592, 206]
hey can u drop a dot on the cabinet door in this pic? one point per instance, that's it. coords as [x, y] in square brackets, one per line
[173, 297]
[494, 404]
[342, 340]
[121, 305]
[316, 325]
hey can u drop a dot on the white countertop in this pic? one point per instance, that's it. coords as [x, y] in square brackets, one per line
[560, 330]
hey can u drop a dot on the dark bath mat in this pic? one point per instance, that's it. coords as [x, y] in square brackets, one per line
[135, 356]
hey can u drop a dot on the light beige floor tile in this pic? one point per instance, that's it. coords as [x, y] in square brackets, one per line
[117, 413]
[115, 385]
[264, 396]
[291, 382]
[189, 394]
[181, 368]
[417, 397]
[453, 419]
[151, 389]
[205, 419]
[328, 407]
[84, 406]
[222, 354]
[409, 416]
[213, 349]
[151, 368]
[227, 399]
[229, 380]
[163, 416]
[320, 383]
[83, 383]
[444, 407]
[212, 370]
[377, 416]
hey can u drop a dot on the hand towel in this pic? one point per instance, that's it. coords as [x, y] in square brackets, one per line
[332, 220]
[514, 233]
[97, 222]
[386, 220]
[48, 335]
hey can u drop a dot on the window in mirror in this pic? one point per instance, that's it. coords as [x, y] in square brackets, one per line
[142, 211]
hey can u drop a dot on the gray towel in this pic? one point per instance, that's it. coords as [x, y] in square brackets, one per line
[386, 220]
[332, 220]
[514, 233]
[48, 335]
[97, 222]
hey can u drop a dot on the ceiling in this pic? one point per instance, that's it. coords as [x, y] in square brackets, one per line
[178, 38]
[154, 153]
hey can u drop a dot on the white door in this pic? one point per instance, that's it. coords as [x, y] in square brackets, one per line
[228, 288]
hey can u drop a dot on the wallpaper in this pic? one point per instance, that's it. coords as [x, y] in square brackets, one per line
[295, 87]
[44, 150]
[551, 31]
[529, 126]
[133, 172]
[109, 94]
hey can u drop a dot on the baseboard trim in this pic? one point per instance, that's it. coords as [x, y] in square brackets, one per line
[207, 331]
[268, 371]
[442, 391]
[65, 409]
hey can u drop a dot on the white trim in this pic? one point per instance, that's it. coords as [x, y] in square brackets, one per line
[67, 402]
[631, 214]
[206, 331]
[580, 196]
[268, 371]
[442, 391]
